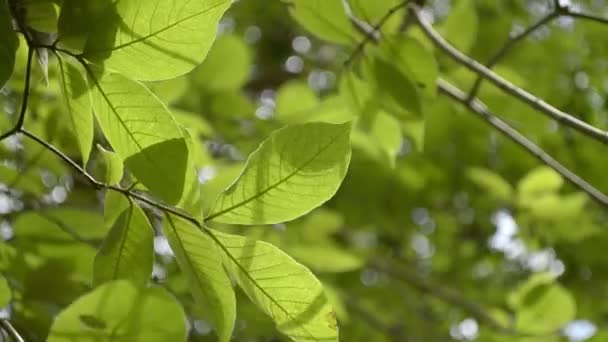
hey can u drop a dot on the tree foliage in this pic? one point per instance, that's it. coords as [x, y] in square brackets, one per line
[305, 170]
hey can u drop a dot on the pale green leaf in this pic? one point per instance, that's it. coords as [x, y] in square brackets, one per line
[460, 28]
[413, 60]
[142, 131]
[121, 312]
[492, 183]
[154, 40]
[382, 140]
[5, 292]
[227, 67]
[538, 182]
[326, 257]
[541, 305]
[112, 164]
[128, 250]
[284, 289]
[296, 170]
[78, 104]
[294, 101]
[201, 262]
[9, 43]
[326, 19]
[398, 93]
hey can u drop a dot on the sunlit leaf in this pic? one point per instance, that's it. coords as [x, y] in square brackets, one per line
[295, 100]
[460, 28]
[112, 164]
[143, 132]
[201, 261]
[324, 18]
[542, 306]
[227, 66]
[78, 106]
[492, 183]
[297, 169]
[326, 258]
[128, 250]
[154, 40]
[284, 289]
[120, 311]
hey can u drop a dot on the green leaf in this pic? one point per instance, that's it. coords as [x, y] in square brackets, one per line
[382, 140]
[5, 292]
[201, 262]
[394, 87]
[542, 306]
[143, 133]
[492, 183]
[326, 257]
[296, 170]
[294, 101]
[284, 289]
[120, 311]
[413, 60]
[538, 182]
[78, 105]
[9, 43]
[76, 21]
[29, 180]
[154, 40]
[128, 250]
[60, 224]
[227, 67]
[42, 15]
[326, 19]
[460, 28]
[112, 164]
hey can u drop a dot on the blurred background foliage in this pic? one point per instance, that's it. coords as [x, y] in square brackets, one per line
[443, 229]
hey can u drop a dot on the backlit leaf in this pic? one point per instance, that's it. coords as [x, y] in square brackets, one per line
[128, 250]
[296, 170]
[122, 312]
[143, 132]
[154, 40]
[284, 289]
[326, 19]
[78, 106]
[201, 262]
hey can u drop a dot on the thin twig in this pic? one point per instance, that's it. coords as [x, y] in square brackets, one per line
[25, 98]
[586, 16]
[372, 34]
[481, 110]
[506, 86]
[10, 330]
[443, 293]
[101, 185]
[509, 44]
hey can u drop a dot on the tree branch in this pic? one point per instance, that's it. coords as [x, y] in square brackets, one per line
[482, 112]
[10, 330]
[101, 185]
[371, 33]
[506, 86]
[509, 44]
[25, 98]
